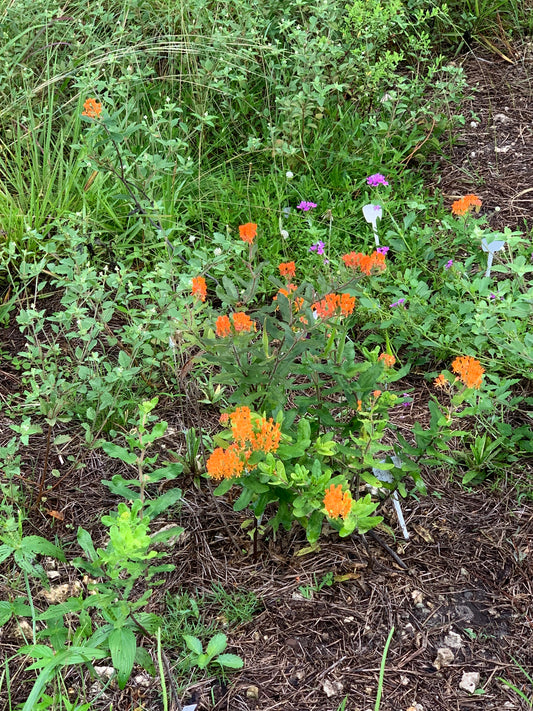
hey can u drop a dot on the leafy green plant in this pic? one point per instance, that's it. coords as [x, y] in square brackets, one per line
[213, 653]
[308, 590]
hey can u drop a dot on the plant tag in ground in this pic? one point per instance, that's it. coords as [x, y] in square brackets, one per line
[373, 213]
[383, 475]
[491, 248]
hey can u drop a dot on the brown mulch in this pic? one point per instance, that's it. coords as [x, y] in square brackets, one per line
[493, 155]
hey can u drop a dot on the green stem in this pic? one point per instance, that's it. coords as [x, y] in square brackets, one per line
[382, 670]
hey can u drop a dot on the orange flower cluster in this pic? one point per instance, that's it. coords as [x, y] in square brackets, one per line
[388, 360]
[365, 262]
[287, 269]
[199, 288]
[92, 108]
[469, 370]
[225, 463]
[333, 304]
[337, 504]
[286, 291]
[465, 204]
[248, 232]
[242, 323]
[251, 434]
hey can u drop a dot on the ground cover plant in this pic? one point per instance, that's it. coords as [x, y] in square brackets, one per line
[265, 438]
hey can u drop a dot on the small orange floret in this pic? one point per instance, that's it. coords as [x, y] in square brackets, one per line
[223, 326]
[346, 304]
[387, 359]
[253, 433]
[225, 463]
[376, 393]
[286, 292]
[337, 504]
[92, 108]
[247, 232]
[242, 323]
[465, 204]
[287, 269]
[440, 381]
[199, 288]
[469, 370]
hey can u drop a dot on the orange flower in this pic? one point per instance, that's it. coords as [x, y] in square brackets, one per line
[464, 205]
[287, 269]
[440, 381]
[388, 360]
[199, 288]
[359, 405]
[469, 370]
[254, 433]
[243, 323]
[286, 292]
[364, 262]
[92, 108]
[336, 503]
[247, 232]
[223, 326]
[225, 463]
[332, 304]
[376, 393]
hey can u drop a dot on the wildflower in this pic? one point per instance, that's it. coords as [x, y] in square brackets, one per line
[290, 175]
[318, 247]
[376, 179]
[376, 393]
[247, 232]
[286, 291]
[199, 288]
[337, 504]
[332, 304]
[92, 109]
[306, 206]
[359, 405]
[223, 326]
[287, 269]
[284, 234]
[387, 359]
[252, 433]
[382, 250]
[469, 370]
[242, 323]
[366, 263]
[225, 463]
[440, 381]
[448, 264]
[217, 251]
[397, 303]
[464, 205]
[346, 304]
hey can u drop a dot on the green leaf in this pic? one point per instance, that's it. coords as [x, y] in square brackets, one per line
[223, 487]
[193, 643]
[156, 507]
[6, 611]
[119, 452]
[62, 439]
[217, 644]
[38, 544]
[143, 659]
[232, 661]
[122, 645]
[5, 552]
[86, 542]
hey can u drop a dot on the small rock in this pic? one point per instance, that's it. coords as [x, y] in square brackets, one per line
[332, 688]
[417, 597]
[252, 692]
[105, 672]
[416, 707]
[469, 681]
[444, 658]
[22, 630]
[142, 679]
[61, 593]
[404, 681]
[502, 118]
[453, 640]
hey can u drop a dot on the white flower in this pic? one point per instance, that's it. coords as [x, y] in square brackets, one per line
[289, 175]
[284, 234]
[217, 251]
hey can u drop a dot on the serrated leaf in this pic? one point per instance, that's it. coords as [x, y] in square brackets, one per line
[5, 612]
[217, 644]
[38, 544]
[193, 643]
[232, 661]
[5, 552]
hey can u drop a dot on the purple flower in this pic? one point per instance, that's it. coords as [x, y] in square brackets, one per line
[382, 250]
[397, 303]
[448, 264]
[377, 207]
[376, 179]
[318, 247]
[306, 206]
[492, 296]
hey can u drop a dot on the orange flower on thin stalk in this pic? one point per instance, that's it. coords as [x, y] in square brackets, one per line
[469, 370]
[286, 291]
[199, 288]
[225, 463]
[346, 304]
[337, 504]
[465, 205]
[92, 108]
[287, 269]
[387, 359]
[332, 304]
[247, 232]
[366, 263]
[242, 323]
[254, 433]
[440, 381]
[223, 326]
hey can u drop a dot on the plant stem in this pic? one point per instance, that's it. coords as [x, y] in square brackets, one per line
[382, 670]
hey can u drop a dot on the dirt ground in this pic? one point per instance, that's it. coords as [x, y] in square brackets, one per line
[465, 582]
